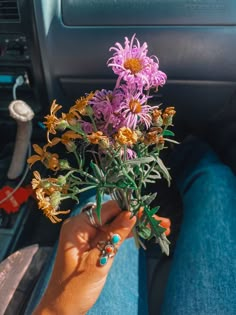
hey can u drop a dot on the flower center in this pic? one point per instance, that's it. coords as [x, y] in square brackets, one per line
[135, 106]
[133, 64]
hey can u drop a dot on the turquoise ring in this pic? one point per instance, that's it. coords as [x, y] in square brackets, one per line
[108, 249]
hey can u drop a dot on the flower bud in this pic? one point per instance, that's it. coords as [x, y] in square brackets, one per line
[55, 199]
[70, 146]
[61, 180]
[160, 143]
[45, 184]
[168, 116]
[140, 135]
[64, 164]
[62, 125]
[104, 143]
[156, 117]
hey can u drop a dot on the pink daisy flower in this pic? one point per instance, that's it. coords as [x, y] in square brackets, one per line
[106, 109]
[132, 65]
[134, 109]
[101, 104]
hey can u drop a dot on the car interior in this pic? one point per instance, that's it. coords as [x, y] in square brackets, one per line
[58, 49]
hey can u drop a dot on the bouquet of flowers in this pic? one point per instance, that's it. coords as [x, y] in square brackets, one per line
[114, 138]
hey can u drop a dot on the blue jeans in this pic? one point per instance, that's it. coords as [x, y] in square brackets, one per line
[202, 279]
[203, 274]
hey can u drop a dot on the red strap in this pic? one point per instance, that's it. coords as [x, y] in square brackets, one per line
[13, 203]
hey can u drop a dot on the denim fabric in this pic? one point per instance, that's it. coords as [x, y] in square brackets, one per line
[203, 274]
[125, 291]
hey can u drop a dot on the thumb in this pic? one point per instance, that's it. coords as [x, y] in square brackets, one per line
[122, 225]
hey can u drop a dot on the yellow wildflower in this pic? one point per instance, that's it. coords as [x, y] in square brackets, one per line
[40, 156]
[51, 120]
[71, 118]
[96, 137]
[151, 138]
[45, 205]
[67, 139]
[36, 181]
[50, 160]
[68, 136]
[81, 104]
[126, 136]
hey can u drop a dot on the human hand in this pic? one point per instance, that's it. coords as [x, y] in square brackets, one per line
[77, 278]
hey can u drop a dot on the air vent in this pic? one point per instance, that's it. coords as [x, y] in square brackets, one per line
[9, 11]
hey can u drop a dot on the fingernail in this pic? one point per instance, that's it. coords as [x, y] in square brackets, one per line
[127, 221]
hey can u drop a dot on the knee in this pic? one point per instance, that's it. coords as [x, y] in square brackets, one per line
[211, 177]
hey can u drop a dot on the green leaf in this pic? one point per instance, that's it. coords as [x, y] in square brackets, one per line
[148, 199]
[137, 170]
[163, 169]
[154, 211]
[150, 171]
[154, 176]
[97, 171]
[125, 183]
[73, 197]
[168, 133]
[99, 195]
[145, 233]
[150, 181]
[156, 229]
[143, 160]
[164, 244]
[171, 140]
[129, 179]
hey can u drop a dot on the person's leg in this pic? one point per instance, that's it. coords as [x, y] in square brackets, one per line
[125, 290]
[203, 274]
